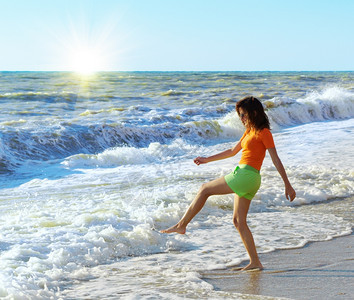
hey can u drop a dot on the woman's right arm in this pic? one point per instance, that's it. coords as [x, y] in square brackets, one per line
[222, 155]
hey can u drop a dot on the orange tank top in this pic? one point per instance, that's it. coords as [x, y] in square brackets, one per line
[254, 145]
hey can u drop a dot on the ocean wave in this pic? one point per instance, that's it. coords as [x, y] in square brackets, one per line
[309, 78]
[53, 143]
[173, 93]
[144, 125]
[23, 140]
[330, 104]
[154, 153]
[101, 111]
[333, 103]
[71, 139]
[42, 96]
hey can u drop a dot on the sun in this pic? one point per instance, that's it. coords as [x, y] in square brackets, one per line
[87, 45]
[86, 60]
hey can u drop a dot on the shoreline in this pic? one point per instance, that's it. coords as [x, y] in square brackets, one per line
[319, 270]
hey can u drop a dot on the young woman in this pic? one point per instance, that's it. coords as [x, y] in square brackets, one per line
[245, 180]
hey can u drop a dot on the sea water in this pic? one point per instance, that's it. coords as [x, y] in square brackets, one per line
[92, 167]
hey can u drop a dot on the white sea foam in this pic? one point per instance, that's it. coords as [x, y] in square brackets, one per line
[98, 215]
[154, 153]
[332, 103]
[90, 182]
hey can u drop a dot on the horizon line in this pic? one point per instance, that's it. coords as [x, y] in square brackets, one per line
[114, 71]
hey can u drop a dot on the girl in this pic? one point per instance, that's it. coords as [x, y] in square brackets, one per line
[245, 180]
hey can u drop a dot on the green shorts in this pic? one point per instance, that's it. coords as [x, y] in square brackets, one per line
[244, 181]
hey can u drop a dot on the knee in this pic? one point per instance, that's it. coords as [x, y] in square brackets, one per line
[235, 221]
[205, 190]
[239, 224]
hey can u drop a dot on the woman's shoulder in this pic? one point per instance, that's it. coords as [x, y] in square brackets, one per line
[265, 132]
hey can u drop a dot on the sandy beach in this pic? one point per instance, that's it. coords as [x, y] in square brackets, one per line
[320, 270]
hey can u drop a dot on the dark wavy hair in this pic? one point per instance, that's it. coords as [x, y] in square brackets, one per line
[255, 112]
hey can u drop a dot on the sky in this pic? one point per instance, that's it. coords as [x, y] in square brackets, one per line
[176, 35]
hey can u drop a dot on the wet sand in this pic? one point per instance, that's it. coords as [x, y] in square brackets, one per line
[320, 270]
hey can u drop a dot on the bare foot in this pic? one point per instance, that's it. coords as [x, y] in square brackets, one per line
[176, 228]
[253, 267]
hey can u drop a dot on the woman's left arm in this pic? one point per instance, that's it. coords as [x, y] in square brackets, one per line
[290, 193]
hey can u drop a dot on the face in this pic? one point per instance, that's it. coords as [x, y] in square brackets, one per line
[243, 116]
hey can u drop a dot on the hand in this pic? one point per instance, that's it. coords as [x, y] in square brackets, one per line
[290, 193]
[200, 160]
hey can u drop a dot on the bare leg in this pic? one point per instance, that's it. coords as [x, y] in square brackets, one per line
[241, 206]
[215, 187]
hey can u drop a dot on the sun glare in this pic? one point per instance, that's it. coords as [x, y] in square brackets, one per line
[86, 60]
[88, 46]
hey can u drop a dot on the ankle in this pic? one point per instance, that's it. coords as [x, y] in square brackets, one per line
[256, 263]
[181, 224]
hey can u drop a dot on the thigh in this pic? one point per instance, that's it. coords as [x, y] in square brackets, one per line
[241, 207]
[217, 187]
